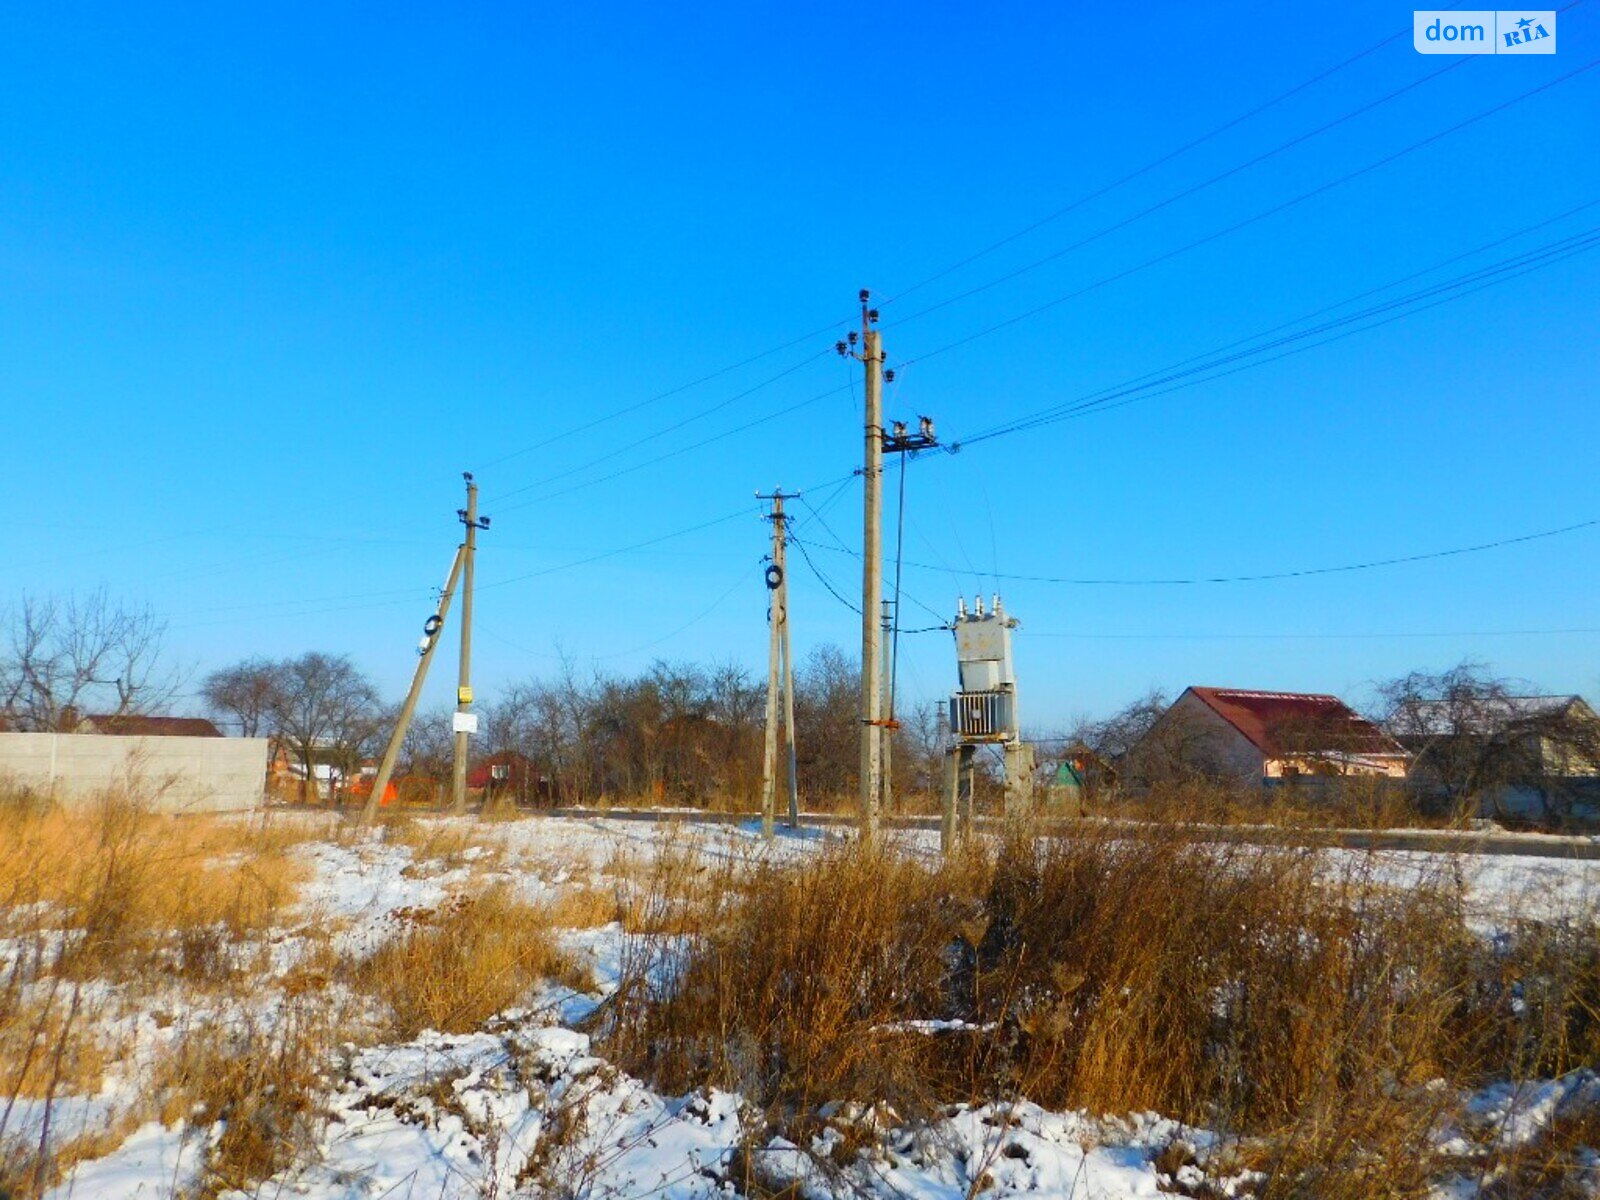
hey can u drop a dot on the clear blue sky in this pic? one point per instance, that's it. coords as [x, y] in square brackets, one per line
[271, 278]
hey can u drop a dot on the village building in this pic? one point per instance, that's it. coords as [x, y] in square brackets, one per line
[1264, 737]
[139, 725]
[1533, 757]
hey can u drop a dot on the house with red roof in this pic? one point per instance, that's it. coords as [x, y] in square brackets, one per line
[1265, 737]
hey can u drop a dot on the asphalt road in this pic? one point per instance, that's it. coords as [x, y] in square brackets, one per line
[1518, 845]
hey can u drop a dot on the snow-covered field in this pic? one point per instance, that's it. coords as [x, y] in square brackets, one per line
[526, 1106]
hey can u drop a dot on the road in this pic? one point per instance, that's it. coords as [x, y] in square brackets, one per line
[1451, 841]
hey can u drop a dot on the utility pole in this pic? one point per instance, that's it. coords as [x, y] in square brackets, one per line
[876, 716]
[430, 642]
[780, 670]
[465, 721]
[871, 356]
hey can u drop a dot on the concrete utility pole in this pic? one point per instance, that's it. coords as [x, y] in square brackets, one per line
[430, 642]
[780, 671]
[465, 721]
[871, 574]
[875, 702]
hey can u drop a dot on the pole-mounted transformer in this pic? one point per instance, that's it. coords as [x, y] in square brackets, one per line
[983, 712]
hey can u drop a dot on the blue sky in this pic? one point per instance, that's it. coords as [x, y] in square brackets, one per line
[271, 279]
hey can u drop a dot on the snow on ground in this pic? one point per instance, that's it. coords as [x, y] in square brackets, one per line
[154, 1163]
[524, 1107]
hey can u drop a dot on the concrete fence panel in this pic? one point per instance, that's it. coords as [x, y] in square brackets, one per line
[171, 774]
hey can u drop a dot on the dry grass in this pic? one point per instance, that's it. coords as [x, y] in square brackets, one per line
[585, 906]
[441, 843]
[109, 902]
[453, 968]
[259, 1080]
[125, 884]
[1303, 1016]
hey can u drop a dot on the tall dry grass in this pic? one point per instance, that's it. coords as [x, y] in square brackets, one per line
[100, 904]
[119, 883]
[453, 968]
[1308, 1015]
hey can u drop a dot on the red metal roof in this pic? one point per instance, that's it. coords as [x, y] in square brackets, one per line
[1304, 722]
[137, 726]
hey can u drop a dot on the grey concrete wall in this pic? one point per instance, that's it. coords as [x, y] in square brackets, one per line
[171, 774]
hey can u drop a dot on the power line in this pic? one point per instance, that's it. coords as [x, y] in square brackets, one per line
[855, 608]
[1299, 139]
[1452, 289]
[823, 579]
[1328, 186]
[605, 554]
[1147, 167]
[740, 581]
[1315, 637]
[662, 432]
[1369, 565]
[1185, 193]
[832, 326]
[682, 450]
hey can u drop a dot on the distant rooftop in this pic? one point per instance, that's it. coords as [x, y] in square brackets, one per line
[142, 726]
[1433, 718]
[1277, 723]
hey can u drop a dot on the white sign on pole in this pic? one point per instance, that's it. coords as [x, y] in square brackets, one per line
[463, 722]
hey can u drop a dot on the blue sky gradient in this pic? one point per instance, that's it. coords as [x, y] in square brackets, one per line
[273, 278]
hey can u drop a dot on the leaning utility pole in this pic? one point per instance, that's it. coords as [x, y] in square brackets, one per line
[430, 641]
[871, 357]
[465, 721]
[779, 669]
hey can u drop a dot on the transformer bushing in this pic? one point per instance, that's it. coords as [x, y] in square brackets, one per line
[984, 712]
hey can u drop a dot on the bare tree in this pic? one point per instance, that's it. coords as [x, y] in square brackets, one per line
[62, 656]
[245, 695]
[827, 689]
[326, 708]
[1480, 740]
[428, 750]
[1114, 736]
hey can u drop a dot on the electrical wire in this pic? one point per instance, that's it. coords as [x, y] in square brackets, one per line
[833, 326]
[1037, 309]
[835, 593]
[1262, 577]
[1317, 637]
[740, 581]
[821, 578]
[605, 554]
[682, 450]
[830, 327]
[1458, 287]
[1152, 165]
[1185, 193]
[1262, 215]
[662, 432]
